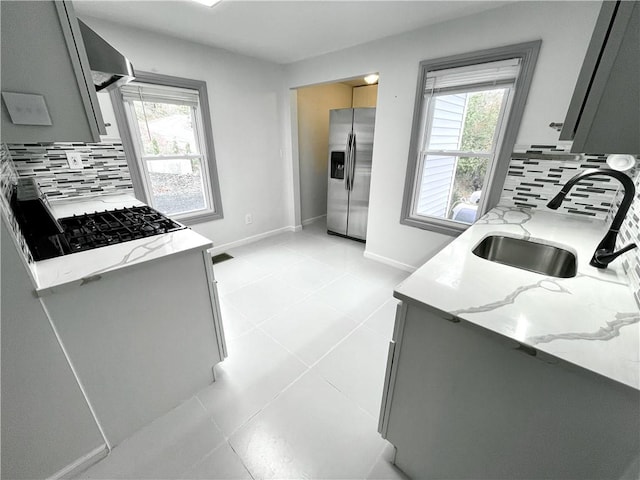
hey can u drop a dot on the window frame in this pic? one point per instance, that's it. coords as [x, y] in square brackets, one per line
[527, 53]
[204, 136]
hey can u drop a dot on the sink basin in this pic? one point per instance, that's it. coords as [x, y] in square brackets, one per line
[528, 255]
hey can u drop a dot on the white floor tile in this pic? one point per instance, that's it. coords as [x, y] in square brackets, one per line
[382, 320]
[310, 431]
[235, 323]
[309, 275]
[235, 273]
[263, 299]
[340, 253]
[384, 469]
[354, 296]
[164, 448]
[222, 463]
[309, 329]
[377, 272]
[356, 367]
[311, 243]
[274, 258]
[255, 372]
[319, 226]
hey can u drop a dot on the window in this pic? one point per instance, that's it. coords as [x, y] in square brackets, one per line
[169, 134]
[467, 114]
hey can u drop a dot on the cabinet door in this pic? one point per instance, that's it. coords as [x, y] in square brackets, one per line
[47, 426]
[40, 56]
[603, 116]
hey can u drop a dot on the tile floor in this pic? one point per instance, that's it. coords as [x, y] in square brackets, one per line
[307, 320]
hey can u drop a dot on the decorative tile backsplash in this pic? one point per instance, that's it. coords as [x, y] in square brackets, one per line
[104, 168]
[8, 179]
[630, 233]
[531, 182]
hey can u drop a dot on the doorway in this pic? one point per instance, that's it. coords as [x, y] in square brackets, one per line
[313, 106]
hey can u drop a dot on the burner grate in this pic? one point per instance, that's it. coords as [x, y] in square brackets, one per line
[100, 229]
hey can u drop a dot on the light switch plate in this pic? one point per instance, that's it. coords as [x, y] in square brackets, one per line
[26, 108]
[74, 160]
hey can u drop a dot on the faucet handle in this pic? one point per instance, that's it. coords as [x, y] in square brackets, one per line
[602, 258]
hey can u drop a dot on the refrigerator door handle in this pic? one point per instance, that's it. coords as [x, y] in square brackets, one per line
[347, 166]
[352, 161]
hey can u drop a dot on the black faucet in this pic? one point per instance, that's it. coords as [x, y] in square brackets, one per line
[604, 253]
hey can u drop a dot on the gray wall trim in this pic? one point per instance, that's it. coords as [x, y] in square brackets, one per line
[528, 54]
[127, 145]
[127, 141]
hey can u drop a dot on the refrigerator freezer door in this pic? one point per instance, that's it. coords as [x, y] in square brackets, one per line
[363, 127]
[337, 195]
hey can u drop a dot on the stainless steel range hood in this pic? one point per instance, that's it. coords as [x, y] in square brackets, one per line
[109, 68]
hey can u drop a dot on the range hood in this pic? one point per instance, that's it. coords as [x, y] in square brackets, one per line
[109, 68]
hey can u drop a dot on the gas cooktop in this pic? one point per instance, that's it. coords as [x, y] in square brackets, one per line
[100, 229]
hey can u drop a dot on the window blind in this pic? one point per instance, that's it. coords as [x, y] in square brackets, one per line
[158, 93]
[499, 72]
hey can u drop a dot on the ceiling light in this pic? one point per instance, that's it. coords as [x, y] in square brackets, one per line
[371, 79]
[208, 3]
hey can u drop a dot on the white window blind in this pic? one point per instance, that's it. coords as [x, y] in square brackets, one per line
[157, 93]
[503, 71]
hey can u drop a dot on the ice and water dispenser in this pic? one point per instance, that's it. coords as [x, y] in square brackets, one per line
[337, 165]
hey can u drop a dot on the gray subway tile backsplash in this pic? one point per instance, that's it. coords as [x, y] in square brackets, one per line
[104, 169]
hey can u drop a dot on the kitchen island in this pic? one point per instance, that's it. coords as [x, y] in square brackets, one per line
[499, 372]
[138, 321]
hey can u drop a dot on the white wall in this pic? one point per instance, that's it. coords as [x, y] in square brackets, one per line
[565, 29]
[245, 101]
[314, 104]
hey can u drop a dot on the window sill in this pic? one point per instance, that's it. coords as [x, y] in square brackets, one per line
[197, 218]
[445, 227]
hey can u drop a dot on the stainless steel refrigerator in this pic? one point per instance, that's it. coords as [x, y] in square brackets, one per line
[349, 175]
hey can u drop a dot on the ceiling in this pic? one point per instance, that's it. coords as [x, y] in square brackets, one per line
[281, 31]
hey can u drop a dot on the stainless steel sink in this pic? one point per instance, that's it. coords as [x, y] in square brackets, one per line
[528, 255]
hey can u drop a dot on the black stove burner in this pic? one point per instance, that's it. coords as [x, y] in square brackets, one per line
[93, 230]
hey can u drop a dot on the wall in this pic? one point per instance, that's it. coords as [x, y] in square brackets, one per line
[314, 104]
[245, 97]
[565, 29]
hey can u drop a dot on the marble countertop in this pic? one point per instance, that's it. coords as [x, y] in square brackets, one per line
[78, 268]
[590, 320]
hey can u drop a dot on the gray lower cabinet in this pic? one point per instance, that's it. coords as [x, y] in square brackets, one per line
[46, 424]
[42, 53]
[604, 113]
[463, 402]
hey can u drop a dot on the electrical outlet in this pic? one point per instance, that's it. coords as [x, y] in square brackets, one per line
[248, 219]
[74, 160]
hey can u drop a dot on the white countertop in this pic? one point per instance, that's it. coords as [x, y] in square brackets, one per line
[90, 265]
[591, 320]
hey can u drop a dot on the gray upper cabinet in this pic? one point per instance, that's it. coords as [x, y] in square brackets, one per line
[604, 113]
[43, 54]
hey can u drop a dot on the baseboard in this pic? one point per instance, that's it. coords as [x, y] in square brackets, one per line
[81, 464]
[254, 238]
[309, 221]
[389, 261]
